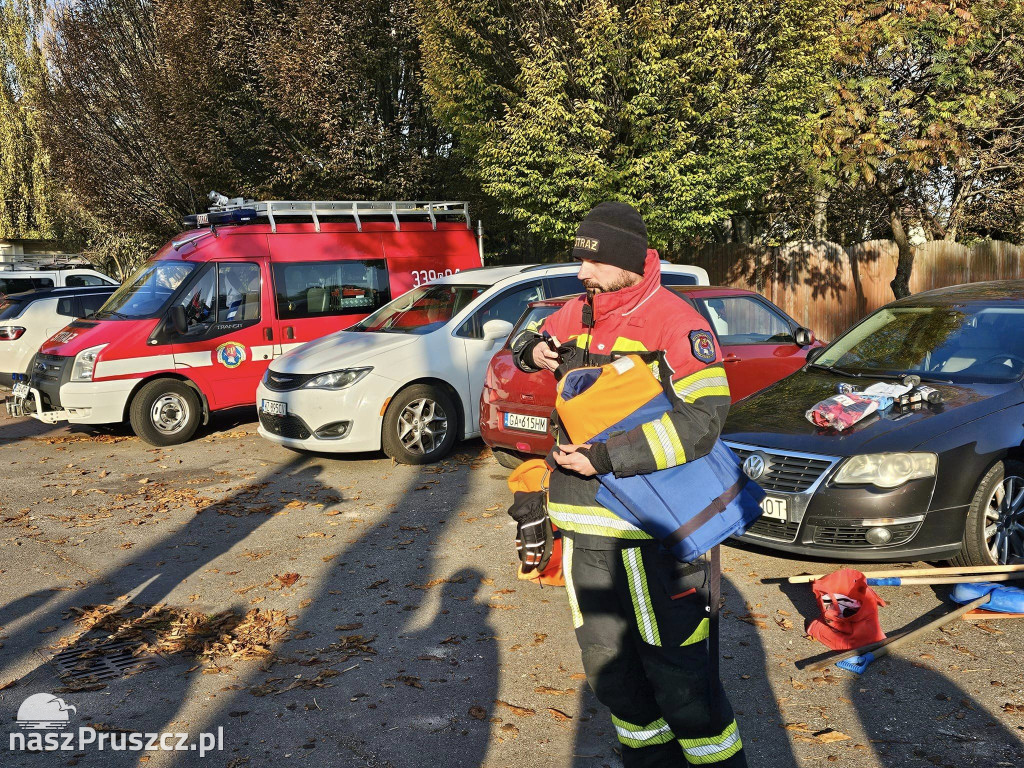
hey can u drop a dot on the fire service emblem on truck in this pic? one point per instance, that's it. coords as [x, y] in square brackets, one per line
[230, 354]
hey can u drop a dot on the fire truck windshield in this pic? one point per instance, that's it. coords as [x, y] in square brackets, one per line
[146, 292]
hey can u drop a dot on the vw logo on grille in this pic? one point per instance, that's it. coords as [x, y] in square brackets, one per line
[755, 465]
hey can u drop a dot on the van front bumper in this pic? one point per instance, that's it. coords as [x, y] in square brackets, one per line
[309, 411]
[80, 402]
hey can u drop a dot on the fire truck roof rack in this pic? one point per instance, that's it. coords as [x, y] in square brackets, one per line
[239, 211]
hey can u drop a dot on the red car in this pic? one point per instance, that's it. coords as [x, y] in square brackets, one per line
[761, 344]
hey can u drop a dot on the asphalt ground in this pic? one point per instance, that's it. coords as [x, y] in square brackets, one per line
[351, 612]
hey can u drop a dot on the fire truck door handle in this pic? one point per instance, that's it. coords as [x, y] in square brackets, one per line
[731, 358]
[289, 332]
[268, 334]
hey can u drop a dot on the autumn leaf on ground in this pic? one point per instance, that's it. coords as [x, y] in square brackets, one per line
[553, 691]
[523, 711]
[287, 579]
[828, 736]
[477, 712]
[559, 715]
[435, 582]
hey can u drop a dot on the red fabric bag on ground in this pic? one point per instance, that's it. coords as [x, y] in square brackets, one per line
[849, 611]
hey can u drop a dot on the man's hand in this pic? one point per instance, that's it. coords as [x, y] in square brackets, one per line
[568, 457]
[544, 357]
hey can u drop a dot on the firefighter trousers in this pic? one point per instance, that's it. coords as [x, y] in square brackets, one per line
[643, 624]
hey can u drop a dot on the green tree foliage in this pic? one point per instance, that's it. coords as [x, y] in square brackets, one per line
[687, 110]
[924, 121]
[25, 208]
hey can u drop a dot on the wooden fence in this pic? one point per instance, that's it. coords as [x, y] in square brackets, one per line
[827, 287]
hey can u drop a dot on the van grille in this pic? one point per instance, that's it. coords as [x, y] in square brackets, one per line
[48, 368]
[291, 427]
[789, 473]
[284, 382]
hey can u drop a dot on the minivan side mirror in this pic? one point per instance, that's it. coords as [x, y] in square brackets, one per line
[814, 354]
[178, 319]
[496, 329]
[803, 336]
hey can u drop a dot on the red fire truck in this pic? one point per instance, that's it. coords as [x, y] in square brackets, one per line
[193, 330]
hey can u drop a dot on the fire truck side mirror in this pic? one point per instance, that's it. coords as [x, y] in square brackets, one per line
[178, 319]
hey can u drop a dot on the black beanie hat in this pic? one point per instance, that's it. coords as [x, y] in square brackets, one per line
[613, 233]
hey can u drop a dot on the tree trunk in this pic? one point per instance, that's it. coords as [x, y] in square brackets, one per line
[905, 265]
[821, 214]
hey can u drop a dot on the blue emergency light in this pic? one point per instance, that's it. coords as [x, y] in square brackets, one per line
[216, 218]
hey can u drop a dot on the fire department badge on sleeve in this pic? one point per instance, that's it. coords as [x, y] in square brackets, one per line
[703, 345]
[230, 354]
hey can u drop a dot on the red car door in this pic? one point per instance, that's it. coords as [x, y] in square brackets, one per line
[225, 351]
[757, 339]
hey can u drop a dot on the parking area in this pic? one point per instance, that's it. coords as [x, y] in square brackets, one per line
[357, 612]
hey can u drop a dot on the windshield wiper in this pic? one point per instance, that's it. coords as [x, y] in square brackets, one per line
[113, 312]
[833, 369]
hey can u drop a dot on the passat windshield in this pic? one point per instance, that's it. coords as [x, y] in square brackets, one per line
[146, 292]
[967, 343]
[421, 310]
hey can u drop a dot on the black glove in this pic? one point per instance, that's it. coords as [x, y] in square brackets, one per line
[533, 536]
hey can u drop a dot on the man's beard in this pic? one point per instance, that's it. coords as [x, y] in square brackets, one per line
[593, 287]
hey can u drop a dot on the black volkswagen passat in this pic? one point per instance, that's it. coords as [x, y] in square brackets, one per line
[920, 482]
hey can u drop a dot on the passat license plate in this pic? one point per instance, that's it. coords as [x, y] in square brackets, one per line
[274, 408]
[775, 508]
[526, 423]
[20, 389]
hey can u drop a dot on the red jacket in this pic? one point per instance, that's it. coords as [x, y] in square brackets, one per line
[643, 317]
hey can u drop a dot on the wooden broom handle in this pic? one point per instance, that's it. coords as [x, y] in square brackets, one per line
[975, 569]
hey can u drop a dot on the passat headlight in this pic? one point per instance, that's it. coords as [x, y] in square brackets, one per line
[85, 363]
[886, 470]
[337, 379]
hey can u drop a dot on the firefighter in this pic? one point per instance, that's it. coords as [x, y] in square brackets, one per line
[643, 620]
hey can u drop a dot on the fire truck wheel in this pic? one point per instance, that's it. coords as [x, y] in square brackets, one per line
[165, 412]
[419, 425]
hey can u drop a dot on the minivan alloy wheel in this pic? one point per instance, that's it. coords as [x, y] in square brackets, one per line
[422, 426]
[1004, 520]
[169, 413]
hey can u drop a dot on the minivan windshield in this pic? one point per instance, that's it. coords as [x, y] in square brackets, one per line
[146, 292]
[421, 310]
[965, 343]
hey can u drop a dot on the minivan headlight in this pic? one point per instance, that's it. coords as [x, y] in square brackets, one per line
[337, 379]
[85, 363]
[886, 470]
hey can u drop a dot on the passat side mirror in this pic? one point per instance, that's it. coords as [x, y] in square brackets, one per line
[813, 354]
[804, 337]
[497, 329]
[178, 319]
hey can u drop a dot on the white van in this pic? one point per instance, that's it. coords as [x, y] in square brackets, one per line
[18, 278]
[408, 377]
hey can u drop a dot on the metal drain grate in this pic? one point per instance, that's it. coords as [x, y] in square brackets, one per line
[102, 661]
